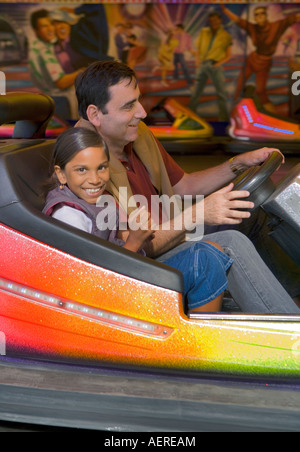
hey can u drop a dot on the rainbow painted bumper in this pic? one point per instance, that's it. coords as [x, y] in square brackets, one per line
[55, 306]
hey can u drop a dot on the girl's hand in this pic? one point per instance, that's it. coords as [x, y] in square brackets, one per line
[141, 229]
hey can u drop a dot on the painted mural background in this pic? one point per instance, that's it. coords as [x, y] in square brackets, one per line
[149, 37]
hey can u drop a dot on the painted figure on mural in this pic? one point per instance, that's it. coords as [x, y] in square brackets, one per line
[79, 42]
[122, 42]
[185, 44]
[165, 56]
[63, 21]
[46, 71]
[265, 36]
[137, 48]
[90, 35]
[213, 49]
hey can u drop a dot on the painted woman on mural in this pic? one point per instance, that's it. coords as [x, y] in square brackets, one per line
[265, 36]
[166, 55]
[46, 72]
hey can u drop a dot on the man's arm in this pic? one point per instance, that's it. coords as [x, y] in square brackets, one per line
[221, 207]
[209, 180]
[229, 13]
[67, 80]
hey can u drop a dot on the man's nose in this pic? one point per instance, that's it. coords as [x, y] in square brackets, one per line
[141, 112]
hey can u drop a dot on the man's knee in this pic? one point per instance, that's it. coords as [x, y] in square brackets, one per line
[232, 239]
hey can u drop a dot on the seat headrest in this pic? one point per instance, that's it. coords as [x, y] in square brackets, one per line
[30, 111]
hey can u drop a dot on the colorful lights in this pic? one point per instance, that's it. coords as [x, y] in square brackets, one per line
[89, 312]
[263, 126]
[275, 129]
[248, 123]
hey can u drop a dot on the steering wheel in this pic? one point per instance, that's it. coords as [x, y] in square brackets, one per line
[257, 180]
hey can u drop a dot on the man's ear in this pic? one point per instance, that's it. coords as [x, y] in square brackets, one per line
[93, 114]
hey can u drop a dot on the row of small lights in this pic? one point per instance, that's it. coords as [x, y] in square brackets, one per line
[90, 312]
[263, 126]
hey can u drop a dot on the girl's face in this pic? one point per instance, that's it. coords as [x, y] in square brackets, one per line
[86, 174]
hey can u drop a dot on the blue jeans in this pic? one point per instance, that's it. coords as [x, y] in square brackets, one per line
[205, 71]
[281, 265]
[204, 271]
[252, 285]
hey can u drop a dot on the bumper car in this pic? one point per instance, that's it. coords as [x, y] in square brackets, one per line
[251, 126]
[179, 129]
[94, 336]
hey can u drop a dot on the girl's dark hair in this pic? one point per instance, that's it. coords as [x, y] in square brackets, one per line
[67, 145]
[92, 85]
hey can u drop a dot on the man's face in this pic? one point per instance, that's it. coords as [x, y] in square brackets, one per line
[119, 125]
[45, 30]
[260, 16]
[214, 22]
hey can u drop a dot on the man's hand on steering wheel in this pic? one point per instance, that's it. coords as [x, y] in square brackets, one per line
[254, 158]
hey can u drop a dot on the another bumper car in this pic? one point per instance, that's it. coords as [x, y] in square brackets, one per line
[94, 336]
[179, 129]
[251, 126]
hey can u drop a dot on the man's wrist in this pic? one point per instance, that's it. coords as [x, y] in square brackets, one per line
[236, 167]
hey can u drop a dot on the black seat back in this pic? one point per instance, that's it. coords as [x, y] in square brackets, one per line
[31, 113]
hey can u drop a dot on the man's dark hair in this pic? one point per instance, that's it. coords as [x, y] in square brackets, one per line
[36, 15]
[92, 85]
[215, 14]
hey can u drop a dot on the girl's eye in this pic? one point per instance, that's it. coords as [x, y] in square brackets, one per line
[81, 170]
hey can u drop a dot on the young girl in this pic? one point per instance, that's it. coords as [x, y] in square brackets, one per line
[80, 173]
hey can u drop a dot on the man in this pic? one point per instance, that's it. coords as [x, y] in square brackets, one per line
[109, 101]
[265, 36]
[46, 71]
[213, 49]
